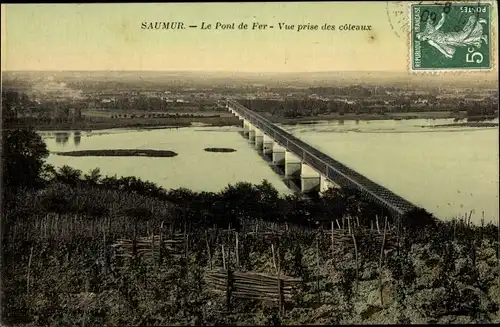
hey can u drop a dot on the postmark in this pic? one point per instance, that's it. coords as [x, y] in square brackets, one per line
[450, 36]
[397, 14]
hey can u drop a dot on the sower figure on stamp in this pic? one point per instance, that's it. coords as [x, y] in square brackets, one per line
[471, 35]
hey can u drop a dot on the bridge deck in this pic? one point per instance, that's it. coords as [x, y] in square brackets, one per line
[331, 168]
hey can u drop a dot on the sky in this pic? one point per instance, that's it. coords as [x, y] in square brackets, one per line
[109, 37]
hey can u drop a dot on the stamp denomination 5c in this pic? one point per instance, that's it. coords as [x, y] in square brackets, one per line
[450, 36]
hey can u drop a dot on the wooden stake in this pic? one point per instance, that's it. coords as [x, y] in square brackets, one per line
[153, 246]
[56, 227]
[134, 244]
[160, 257]
[380, 264]
[356, 258]
[498, 251]
[237, 250]
[29, 270]
[332, 236]
[187, 247]
[274, 260]
[338, 223]
[333, 247]
[109, 225]
[223, 257]
[208, 250]
[229, 290]
[105, 256]
[317, 266]
[378, 227]
[280, 286]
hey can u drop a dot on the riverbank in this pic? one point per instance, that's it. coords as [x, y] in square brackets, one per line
[388, 116]
[104, 121]
[118, 153]
[127, 123]
[467, 124]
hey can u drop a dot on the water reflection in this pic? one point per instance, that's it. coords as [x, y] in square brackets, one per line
[62, 137]
[76, 140]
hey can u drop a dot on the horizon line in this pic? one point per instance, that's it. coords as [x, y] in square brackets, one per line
[236, 72]
[203, 71]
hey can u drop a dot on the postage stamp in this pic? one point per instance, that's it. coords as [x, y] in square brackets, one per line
[450, 36]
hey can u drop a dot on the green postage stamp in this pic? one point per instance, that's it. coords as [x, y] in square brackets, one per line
[450, 36]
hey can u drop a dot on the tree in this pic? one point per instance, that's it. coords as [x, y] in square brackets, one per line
[93, 177]
[62, 113]
[342, 108]
[23, 157]
[78, 114]
[10, 104]
[68, 175]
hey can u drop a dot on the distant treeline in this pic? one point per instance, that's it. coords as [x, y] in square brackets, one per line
[18, 106]
[148, 103]
[161, 115]
[295, 108]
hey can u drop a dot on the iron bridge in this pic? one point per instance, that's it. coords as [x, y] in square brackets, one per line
[324, 164]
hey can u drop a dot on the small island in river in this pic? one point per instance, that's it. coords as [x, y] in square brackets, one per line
[219, 150]
[118, 153]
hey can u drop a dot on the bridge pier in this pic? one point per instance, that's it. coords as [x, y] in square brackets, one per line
[251, 133]
[251, 136]
[246, 128]
[310, 179]
[259, 140]
[267, 145]
[293, 165]
[325, 184]
[278, 154]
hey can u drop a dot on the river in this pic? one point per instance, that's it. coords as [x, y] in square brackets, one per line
[447, 170]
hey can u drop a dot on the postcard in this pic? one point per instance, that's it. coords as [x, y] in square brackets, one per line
[257, 163]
